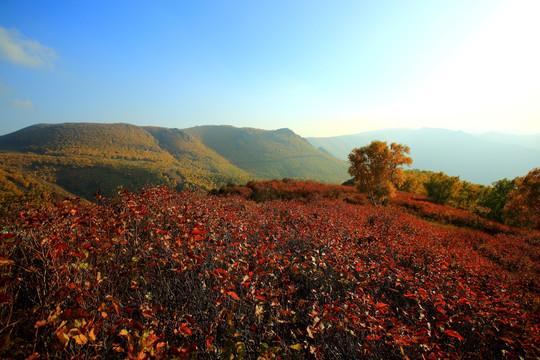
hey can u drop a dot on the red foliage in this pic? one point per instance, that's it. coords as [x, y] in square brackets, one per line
[164, 274]
[420, 205]
[288, 189]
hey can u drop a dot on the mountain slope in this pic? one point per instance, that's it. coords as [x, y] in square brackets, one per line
[113, 141]
[527, 141]
[454, 152]
[271, 154]
[195, 160]
[85, 157]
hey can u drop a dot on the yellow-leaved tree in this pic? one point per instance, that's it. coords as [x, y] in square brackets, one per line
[375, 169]
[523, 207]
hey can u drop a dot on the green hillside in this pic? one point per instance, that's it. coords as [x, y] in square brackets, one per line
[111, 141]
[271, 154]
[81, 158]
[77, 175]
[195, 162]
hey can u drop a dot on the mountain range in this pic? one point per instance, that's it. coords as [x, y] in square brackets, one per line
[81, 158]
[477, 158]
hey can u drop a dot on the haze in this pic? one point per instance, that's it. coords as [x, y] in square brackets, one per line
[316, 67]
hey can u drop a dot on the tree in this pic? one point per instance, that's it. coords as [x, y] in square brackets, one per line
[466, 195]
[495, 198]
[440, 187]
[523, 207]
[375, 169]
[413, 182]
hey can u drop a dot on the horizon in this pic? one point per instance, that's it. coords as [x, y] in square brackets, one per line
[320, 70]
[473, 131]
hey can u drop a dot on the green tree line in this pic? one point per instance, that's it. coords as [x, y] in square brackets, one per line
[510, 201]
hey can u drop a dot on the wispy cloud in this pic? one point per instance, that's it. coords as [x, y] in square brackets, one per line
[22, 104]
[15, 47]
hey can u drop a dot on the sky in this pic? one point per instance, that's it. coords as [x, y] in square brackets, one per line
[320, 68]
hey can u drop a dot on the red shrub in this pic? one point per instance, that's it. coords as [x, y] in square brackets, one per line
[162, 274]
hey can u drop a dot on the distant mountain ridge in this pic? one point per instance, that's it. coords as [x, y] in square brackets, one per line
[85, 157]
[477, 158]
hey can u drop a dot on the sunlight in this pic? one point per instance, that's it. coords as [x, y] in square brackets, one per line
[494, 78]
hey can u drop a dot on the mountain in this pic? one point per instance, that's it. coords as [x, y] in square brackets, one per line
[527, 141]
[477, 158]
[81, 158]
[116, 141]
[271, 154]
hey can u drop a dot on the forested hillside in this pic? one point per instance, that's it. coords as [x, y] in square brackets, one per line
[81, 158]
[271, 154]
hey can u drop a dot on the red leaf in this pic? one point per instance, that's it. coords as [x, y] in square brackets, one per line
[198, 232]
[220, 272]
[184, 329]
[463, 301]
[209, 341]
[453, 334]
[382, 307]
[233, 295]
[150, 340]
[377, 337]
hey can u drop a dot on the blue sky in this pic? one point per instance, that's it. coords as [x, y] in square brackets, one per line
[320, 68]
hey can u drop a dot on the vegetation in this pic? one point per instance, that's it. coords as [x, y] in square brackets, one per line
[418, 205]
[375, 169]
[162, 274]
[492, 200]
[61, 176]
[440, 187]
[268, 270]
[289, 189]
[80, 159]
[513, 202]
[523, 207]
[271, 154]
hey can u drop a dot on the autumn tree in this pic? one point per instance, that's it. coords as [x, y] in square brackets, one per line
[375, 169]
[413, 181]
[494, 198]
[440, 187]
[467, 195]
[523, 207]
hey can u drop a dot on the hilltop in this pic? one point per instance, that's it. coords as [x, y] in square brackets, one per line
[82, 158]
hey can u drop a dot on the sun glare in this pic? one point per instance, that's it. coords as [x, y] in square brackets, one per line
[493, 79]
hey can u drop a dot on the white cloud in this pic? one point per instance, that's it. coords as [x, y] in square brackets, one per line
[15, 47]
[22, 104]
